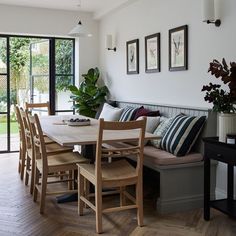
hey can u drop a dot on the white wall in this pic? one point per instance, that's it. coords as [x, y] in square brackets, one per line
[145, 17]
[206, 42]
[36, 21]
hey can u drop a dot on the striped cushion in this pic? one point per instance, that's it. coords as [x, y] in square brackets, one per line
[182, 134]
[161, 130]
[128, 114]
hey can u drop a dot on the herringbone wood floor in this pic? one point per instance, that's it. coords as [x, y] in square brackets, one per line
[19, 215]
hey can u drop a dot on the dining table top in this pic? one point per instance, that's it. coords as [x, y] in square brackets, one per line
[58, 130]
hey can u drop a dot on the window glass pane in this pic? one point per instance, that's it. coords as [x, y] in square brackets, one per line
[3, 132]
[3, 93]
[62, 93]
[64, 57]
[41, 89]
[14, 134]
[40, 58]
[64, 113]
[3, 55]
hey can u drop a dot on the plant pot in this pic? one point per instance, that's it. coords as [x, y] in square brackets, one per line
[226, 125]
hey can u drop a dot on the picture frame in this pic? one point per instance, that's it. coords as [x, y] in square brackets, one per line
[178, 48]
[152, 53]
[132, 56]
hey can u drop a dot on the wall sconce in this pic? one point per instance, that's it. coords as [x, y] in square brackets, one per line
[109, 43]
[211, 12]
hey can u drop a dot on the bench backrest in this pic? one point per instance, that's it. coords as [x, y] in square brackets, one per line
[209, 129]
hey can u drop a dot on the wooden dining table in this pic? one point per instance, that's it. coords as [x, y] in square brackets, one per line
[56, 128]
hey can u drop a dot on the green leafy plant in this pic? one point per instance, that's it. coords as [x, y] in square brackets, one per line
[89, 95]
[223, 101]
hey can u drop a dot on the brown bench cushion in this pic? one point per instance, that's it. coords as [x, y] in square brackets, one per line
[160, 157]
[157, 157]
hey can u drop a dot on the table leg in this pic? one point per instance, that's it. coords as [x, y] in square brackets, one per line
[207, 174]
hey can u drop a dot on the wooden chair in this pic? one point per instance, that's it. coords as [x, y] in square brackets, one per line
[51, 147]
[46, 163]
[31, 106]
[117, 174]
[22, 151]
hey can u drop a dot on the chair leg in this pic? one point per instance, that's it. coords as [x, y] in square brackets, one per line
[36, 182]
[22, 171]
[32, 177]
[122, 196]
[27, 169]
[70, 184]
[87, 190]
[43, 192]
[61, 174]
[80, 193]
[98, 203]
[139, 202]
[20, 159]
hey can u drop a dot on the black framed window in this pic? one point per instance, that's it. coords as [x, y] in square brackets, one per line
[64, 74]
[46, 68]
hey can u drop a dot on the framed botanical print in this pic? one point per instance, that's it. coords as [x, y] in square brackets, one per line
[178, 48]
[152, 53]
[132, 53]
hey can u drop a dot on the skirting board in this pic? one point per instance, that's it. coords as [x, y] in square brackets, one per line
[180, 204]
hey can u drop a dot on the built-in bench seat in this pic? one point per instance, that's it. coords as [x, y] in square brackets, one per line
[158, 157]
[180, 179]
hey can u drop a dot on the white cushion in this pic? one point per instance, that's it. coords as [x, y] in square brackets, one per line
[110, 113]
[152, 123]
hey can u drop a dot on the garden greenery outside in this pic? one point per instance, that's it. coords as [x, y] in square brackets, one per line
[20, 72]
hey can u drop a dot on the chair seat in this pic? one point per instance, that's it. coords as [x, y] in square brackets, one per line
[52, 149]
[62, 159]
[55, 148]
[112, 173]
[47, 140]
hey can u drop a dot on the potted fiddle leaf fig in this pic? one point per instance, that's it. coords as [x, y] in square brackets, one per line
[88, 96]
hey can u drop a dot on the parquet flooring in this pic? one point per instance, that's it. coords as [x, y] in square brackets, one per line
[19, 215]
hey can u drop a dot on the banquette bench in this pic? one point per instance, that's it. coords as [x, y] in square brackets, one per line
[179, 179]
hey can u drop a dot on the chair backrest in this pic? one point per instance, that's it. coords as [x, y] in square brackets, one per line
[28, 136]
[20, 127]
[31, 106]
[132, 126]
[38, 139]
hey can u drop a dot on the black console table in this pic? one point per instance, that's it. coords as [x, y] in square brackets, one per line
[226, 153]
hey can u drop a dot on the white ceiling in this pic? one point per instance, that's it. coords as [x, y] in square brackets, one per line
[98, 7]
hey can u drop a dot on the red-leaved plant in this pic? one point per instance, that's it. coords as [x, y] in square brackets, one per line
[223, 101]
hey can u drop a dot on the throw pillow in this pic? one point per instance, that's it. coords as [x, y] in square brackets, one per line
[145, 112]
[182, 134]
[110, 113]
[128, 113]
[152, 123]
[99, 110]
[161, 130]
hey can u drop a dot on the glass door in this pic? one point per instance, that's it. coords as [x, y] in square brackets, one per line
[4, 96]
[34, 70]
[39, 73]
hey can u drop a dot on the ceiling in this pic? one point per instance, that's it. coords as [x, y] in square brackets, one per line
[97, 7]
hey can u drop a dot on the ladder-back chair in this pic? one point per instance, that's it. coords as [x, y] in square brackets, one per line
[22, 151]
[51, 147]
[47, 163]
[117, 174]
